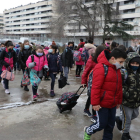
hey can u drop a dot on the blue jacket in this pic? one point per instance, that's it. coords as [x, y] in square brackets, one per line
[54, 62]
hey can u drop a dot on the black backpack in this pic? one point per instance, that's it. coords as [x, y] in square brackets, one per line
[91, 78]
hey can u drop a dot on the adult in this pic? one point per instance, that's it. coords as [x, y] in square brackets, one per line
[67, 60]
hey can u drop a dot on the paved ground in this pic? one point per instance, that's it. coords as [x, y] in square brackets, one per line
[43, 121]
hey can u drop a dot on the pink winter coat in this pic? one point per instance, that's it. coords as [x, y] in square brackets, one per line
[41, 62]
[81, 62]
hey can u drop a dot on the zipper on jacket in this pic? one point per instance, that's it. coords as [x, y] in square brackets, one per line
[38, 66]
[103, 96]
[116, 86]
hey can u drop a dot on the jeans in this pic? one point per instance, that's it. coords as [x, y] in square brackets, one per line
[78, 69]
[53, 76]
[106, 121]
[6, 83]
[66, 72]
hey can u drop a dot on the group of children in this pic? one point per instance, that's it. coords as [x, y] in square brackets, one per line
[115, 85]
[36, 61]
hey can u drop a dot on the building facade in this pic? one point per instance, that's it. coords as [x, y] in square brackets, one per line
[129, 11]
[1, 23]
[31, 19]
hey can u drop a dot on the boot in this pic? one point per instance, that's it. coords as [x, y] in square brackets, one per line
[26, 88]
[126, 136]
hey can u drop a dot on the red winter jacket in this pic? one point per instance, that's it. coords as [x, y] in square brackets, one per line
[89, 66]
[106, 92]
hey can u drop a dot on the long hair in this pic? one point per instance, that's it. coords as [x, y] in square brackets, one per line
[22, 45]
[99, 49]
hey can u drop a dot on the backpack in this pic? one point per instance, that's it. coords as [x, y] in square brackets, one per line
[85, 55]
[91, 78]
[76, 56]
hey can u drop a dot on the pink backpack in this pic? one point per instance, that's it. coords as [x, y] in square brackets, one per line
[8, 75]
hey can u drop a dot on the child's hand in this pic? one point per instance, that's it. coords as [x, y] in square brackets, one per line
[118, 106]
[97, 107]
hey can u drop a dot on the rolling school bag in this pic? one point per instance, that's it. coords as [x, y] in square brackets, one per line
[68, 100]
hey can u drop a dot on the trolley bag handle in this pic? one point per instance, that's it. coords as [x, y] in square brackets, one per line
[79, 89]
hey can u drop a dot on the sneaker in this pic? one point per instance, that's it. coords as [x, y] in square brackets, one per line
[34, 98]
[93, 120]
[119, 123]
[86, 136]
[87, 113]
[26, 88]
[126, 136]
[7, 91]
[2, 82]
[52, 94]
[37, 95]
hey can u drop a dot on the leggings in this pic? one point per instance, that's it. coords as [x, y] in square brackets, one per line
[6, 83]
[35, 88]
[88, 103]
[78, 69]
[53, 76]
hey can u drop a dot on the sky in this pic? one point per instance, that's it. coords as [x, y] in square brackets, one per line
[7, 4]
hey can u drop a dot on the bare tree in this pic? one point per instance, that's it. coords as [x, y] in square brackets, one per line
[96, 17]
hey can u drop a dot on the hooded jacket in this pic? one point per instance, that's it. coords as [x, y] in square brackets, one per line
[8, 59]
[106, 91]
[131, 84]
[40, 63]
[90, 47]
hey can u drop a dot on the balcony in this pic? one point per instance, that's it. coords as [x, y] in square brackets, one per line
[137, 4]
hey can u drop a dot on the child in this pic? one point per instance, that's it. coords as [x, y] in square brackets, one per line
[106, 92]
[131, 94]
[40, 62]
[79, 63]
[25, 52]
[8, 59]
[55, 66]
[91, 63]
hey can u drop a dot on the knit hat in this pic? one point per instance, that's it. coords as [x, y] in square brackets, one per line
[135, 59]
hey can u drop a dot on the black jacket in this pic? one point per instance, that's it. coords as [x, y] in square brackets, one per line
[23, 56]
[8, 59]
[67, 58]
[54, 63]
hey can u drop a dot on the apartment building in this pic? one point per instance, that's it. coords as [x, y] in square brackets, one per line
[1, 23]
[129, 12]
[32, 19]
